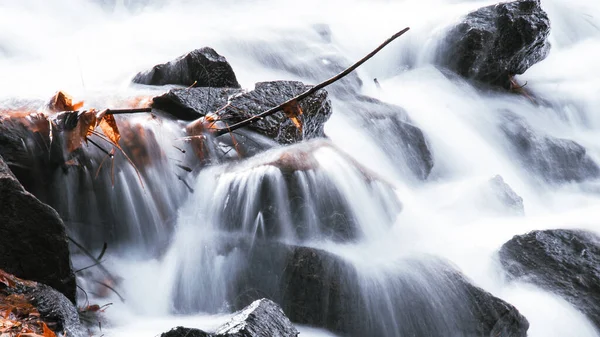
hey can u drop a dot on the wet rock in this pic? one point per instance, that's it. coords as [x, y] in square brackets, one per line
[553, 159]
[390, 126]
[566, 262]
[289, 192]
[506, 195]
[421, 297]
[33, 241]
[193, 103]
[496, 42]
[189, 104]
[261, 318]
[201, 68]
[316, 110]
[54, 309]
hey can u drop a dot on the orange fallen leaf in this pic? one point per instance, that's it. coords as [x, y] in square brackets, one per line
[63, 102]
[109, 127]
[46, 331]
[293, 111]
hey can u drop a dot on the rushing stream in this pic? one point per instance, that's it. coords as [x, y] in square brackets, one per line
[177, 270]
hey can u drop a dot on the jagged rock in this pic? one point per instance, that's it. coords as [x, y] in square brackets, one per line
[414, 297]
[193, 103]
[201, 68]
[493, 43]
[506, 196]
[566, 262]
[262, 318]
[293, 195]
[405, 142]
[554, 159]
[316, 110]
[196, 102]
[54, 309]
[33, 241]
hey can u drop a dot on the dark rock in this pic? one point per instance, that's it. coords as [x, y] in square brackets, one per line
[33, 241]
[414, 297]
[405, 142]
[566, 262]
[186, 332]
[293, 196]
[496, 42]
[193, 103]
[201, 68]
[554, 159]
[262, 318]
[316, 110]
[189, 104]
[55, 310]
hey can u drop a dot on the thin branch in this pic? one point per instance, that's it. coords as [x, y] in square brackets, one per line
[310, 91]
[127, 111]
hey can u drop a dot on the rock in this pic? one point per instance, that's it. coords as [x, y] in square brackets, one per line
[54, 309]
[316, 110]
[201, 68]
[506, 195]
[262, 318]
[404, 141]
[193, 103]
[553, 159]
[566, 262]
[33, 241]
[290, 193]
[496, 42]
[413, 297]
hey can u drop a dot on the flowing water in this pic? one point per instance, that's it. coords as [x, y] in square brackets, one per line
[170, 249]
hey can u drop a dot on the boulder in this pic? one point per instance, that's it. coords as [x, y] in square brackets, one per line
[496, 42]
[45, 303]
[413, 297]
[262, 318]
[553, 159]
[405, 142]
[33, 241]
[504, 195]
[566, 262]
[201, 68]
[192, 103]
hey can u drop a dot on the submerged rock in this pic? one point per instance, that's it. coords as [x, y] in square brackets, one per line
[412, 297]
[553, 159]
[201, 68]
[390, 126]
[262, 318]
[496, 42]
[566, 262]
[33, 240]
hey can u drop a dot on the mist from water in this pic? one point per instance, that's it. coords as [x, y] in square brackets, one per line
[92, 49]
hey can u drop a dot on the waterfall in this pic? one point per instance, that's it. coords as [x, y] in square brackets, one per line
[392, 223]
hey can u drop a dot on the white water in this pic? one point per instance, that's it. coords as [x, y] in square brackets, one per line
[90, 52]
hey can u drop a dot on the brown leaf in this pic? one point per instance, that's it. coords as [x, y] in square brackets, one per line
[109, 127]
[293, 111]
[46, 331]
[86, 123]
[63, 102]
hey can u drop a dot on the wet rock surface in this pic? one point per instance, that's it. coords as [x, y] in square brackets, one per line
[565, 262]
[554, 159]
[41, 301]
[33, 240]
[496, 42]
[321, 289]
[390, 126]
[192, 103]
[201, 68]
[262, 318]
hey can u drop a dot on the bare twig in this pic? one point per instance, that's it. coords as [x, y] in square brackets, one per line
[127, 111]
[310, 91]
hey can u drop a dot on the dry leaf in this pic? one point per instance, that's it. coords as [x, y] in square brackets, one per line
[293, 111]
[109, 127]
[63, 102]
[46, 331]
